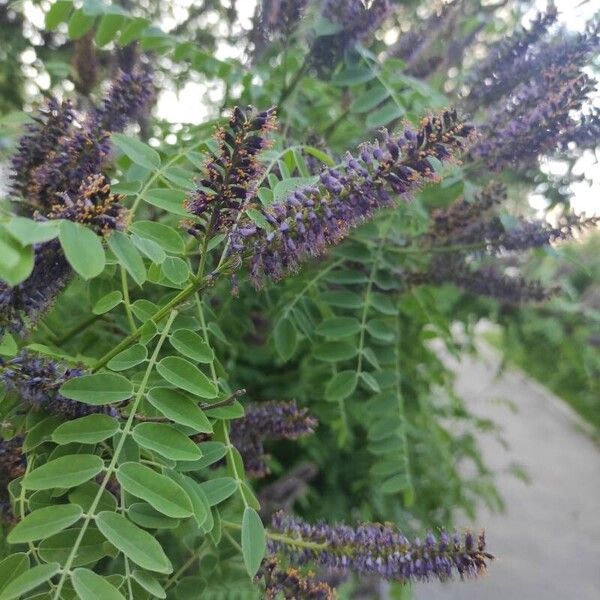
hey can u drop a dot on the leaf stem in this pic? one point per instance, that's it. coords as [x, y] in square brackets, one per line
[126, 299]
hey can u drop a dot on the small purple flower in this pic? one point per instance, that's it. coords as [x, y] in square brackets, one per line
[380, 550]
[309, 220]
[22, 305]
[268, 421]
[233, 173]
[36, 381]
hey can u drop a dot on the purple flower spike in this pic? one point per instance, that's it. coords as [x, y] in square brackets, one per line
[317, 216]
[380, 550]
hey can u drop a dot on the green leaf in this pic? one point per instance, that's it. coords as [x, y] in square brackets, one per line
[144, 515]
[83, 249]
[169, 200]
[90, 586]
[381, 330]
[146, 581]
[179, 408]
[107, 303]
[79, 24]
[98, 389]
[44, 522]
[149, 249]
[85, 494]
[190, 344]
[17, 262]
[211, 453]
[133, 30]
[219, 489]
[370, 382]
[166, 440]
[90, 429]
[254, 541]
[284, 188]
[353, 76]
[135, 543]
[107, 28]
[11, 567]
[344, 299]
[163, 235]
[27, 231]
[175, 269]
[92, 547]
[29, 580]
[159, 491]
[285, 337]
[319, 155]
[8, 346]
[337, 327]
[128, 256]
[59, 13]
[64, 472]
[140, 153]
[369, 99]
[335, 351]
[129, 358]
[186, 376]
[200, 506]
[383, 116]
[341, 386]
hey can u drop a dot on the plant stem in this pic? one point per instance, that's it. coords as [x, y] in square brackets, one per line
[113, 463]
[279, 537]
[126, 300]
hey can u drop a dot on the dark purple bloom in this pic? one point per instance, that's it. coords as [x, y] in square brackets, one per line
[129, 95]
[39, 142]
[290, 584]
[22, 305]
[535, 119]
[481, 281]
[268, 421]
[380, 550]
[36, 381]
[498, 74]
[314, 217]
[57, 155]
[12, 465]
[93, 205]
[232, 174]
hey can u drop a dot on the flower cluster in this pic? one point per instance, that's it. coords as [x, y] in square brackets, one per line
[22, 305]
[532, 94]
[499, 73]
[449, 223]
[466, 226]
[94, 205]
[12, 465]
[313, 217]
[62, 149]
[36, 381]
[535, 120]
[380, 550]
[290, 584]
[268, 421]
[356, 21]
[232, 174]
[481, 281]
